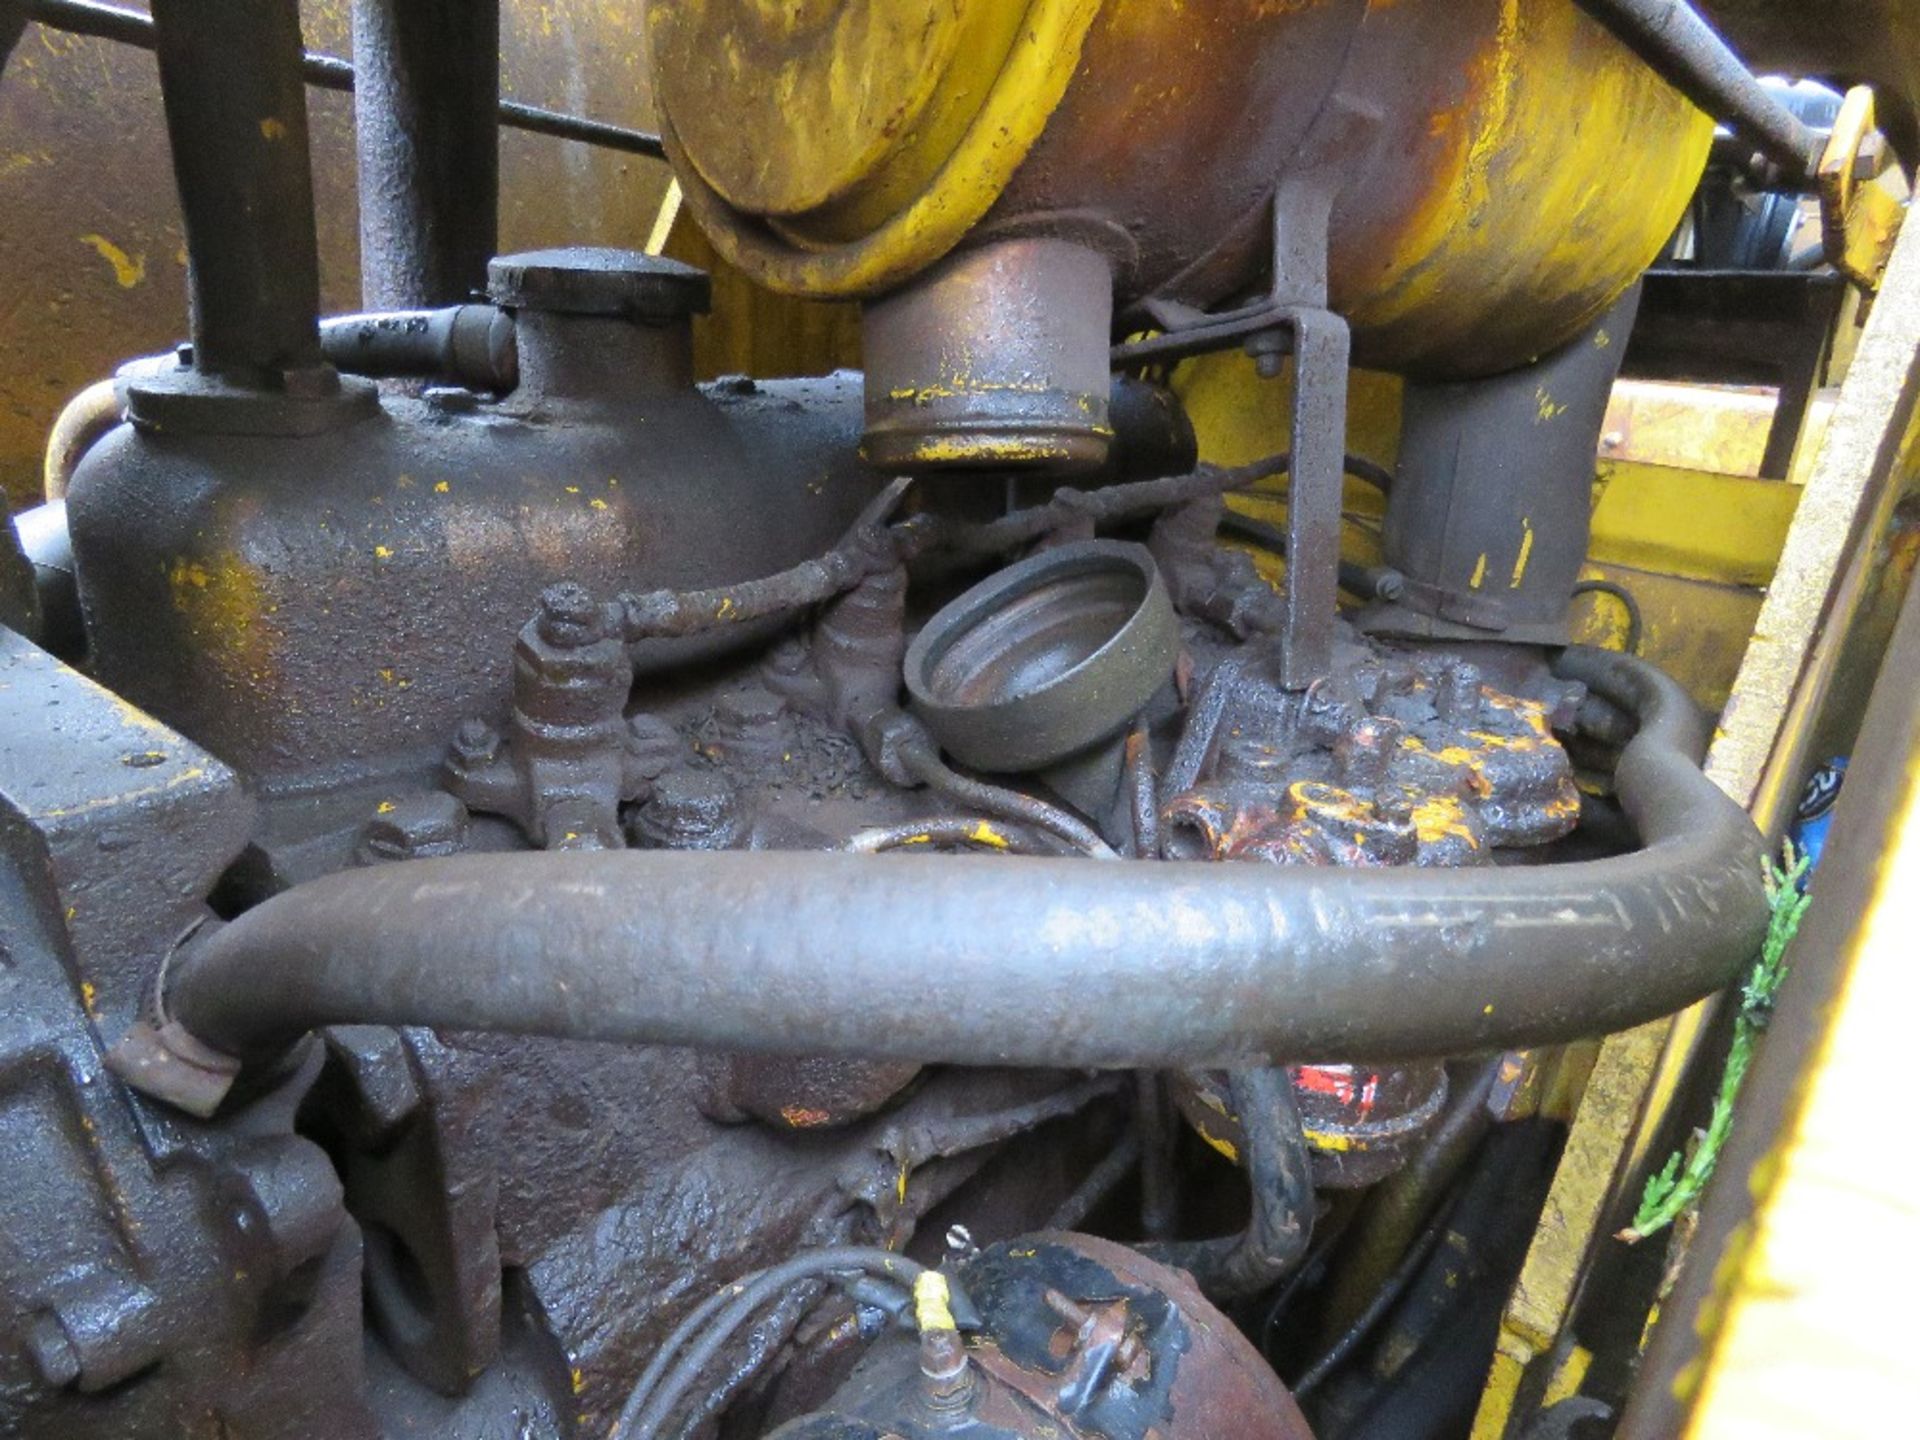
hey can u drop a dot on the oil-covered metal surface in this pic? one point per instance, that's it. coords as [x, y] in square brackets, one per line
[439, 522]
[144, 1251]
[547, 896]
[1076, 1335]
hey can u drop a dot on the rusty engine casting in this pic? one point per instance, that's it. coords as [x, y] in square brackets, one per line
[540, 895]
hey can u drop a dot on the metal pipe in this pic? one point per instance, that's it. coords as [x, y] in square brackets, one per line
[237, 124]
[1671, 37]
[992, 961]
[327, 72]
[426, 123]
[471, 345]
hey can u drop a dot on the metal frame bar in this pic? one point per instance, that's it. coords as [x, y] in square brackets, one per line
[327, 72]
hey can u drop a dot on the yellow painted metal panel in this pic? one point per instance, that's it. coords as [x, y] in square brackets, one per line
[1818, 1336]
[1691, 523]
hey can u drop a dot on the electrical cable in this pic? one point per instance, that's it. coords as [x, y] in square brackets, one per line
[670, 1374]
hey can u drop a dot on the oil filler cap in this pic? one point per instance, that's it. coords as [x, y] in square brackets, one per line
[597, 280]
[1046, 658]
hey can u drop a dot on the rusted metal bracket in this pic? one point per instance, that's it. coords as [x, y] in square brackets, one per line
[1293, 319]
[1319, 436]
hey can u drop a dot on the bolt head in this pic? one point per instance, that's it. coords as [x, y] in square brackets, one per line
[431, 824]
[570, 616]
[53, 1356]
[476, 743]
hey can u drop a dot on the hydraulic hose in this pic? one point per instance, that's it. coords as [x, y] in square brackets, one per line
[1280, 1175]
[988, 960]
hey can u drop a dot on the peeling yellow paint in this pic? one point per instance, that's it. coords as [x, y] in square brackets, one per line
[1526, 553]
[128, 270]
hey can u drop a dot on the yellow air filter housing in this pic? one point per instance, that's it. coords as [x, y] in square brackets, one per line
[1523, 169]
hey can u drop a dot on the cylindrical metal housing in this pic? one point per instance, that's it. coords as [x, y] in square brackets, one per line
[1516, 168]
[997, 357]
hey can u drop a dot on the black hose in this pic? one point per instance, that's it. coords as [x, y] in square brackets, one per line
[988, 960]
[1636, 622]
[1280, 1176]
[1368, 582]
[1383, 1300]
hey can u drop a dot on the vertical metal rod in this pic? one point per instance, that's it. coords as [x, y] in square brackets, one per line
[237, 121]
[1319, 443]
[1670, 36]
[426, 108]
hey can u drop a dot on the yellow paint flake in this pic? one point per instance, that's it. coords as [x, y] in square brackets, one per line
[1330, 1140]
[1440, 818]
[385, 807]
[273, 129]
[984, 834]
[128, 270]
[1526, 553]
[440, 487]
[1225, 1147]
[89, 998]
[596, 503]
[383, 552]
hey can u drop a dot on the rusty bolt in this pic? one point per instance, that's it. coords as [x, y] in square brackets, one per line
[946, 1376]
[1363, 755]
[421, 825]
[475, 744]
[570, 617]
[653, 745]
[55, 1360]
[690, 810]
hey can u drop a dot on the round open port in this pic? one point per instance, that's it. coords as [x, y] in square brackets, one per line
[1046, 658]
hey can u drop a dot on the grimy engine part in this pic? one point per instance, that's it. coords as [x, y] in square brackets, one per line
[544, 894]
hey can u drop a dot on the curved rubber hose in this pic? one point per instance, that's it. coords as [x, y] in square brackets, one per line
[986, 960]
[1280, 1175]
